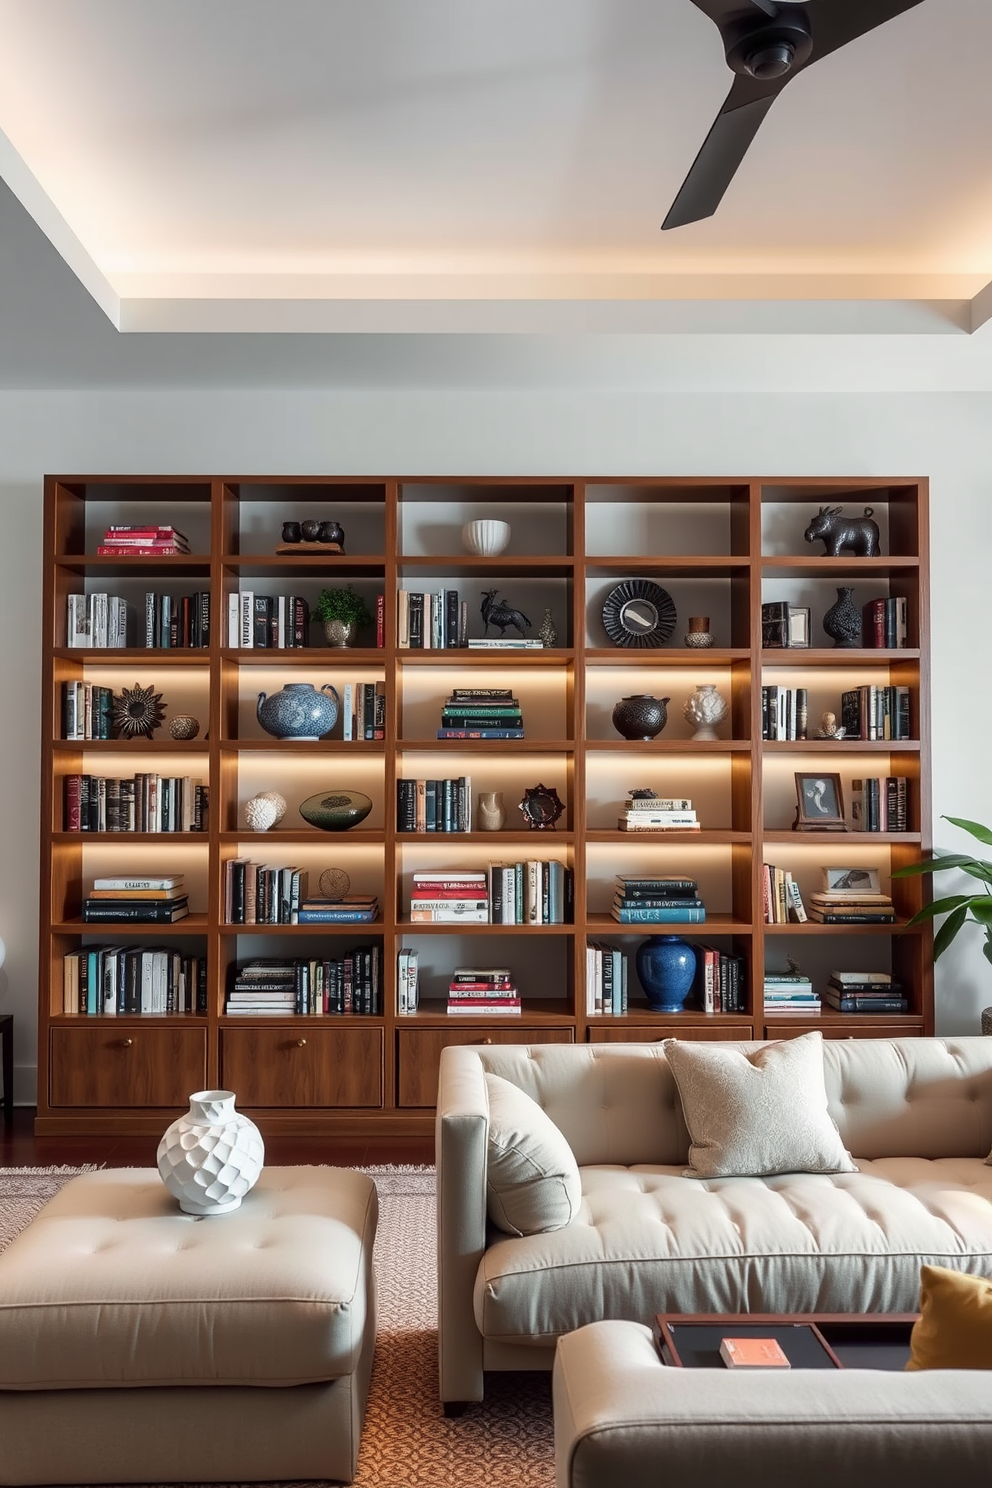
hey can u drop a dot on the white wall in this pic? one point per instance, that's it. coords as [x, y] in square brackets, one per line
[944, 436]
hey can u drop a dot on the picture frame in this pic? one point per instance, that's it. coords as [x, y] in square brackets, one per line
[852, 880]
[799, 626]
[819, 803]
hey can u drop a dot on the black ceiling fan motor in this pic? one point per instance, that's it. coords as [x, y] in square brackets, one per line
[768, 49]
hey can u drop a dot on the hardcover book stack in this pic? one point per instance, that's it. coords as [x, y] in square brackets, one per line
[407, 980]
[790, 991]
[177, 624]
[107, 980]
[880, 804]
[720, 981]
[318, 987]
[481, 713]
[144, 540]
[434, 805]
[657, 814]
[146, 901]
[851, 907]
[352, 909]
[606, 979]
[488, 991]
[96, 622]
[864, 992]
[146, 803]
[535, 892]
[443, 898]
[269, 622]
[648, 901]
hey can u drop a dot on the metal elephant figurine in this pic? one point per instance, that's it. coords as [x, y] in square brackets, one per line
[858, 534]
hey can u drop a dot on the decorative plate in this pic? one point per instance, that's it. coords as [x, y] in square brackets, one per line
[639, 613]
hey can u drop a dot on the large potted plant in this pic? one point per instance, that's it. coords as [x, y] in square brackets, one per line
[343, 614]
[959, 908]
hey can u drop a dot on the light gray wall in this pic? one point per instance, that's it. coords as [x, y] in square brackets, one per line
[944, 436]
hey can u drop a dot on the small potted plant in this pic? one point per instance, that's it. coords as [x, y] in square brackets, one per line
[343, 614]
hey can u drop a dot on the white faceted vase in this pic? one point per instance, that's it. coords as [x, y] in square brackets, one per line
[486, 538]
[212, 1156]
[704, 710]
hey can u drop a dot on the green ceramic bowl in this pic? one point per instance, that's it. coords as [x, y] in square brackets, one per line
[336, 810]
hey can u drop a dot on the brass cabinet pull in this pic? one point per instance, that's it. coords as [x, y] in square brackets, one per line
[301, 1043]
[126, 1043]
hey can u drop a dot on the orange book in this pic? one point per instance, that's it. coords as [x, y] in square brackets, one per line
[753, 1353]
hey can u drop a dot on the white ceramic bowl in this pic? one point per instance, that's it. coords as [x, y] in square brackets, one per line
[486, 538]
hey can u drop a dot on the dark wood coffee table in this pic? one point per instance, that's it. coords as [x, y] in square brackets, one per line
[820, 1340]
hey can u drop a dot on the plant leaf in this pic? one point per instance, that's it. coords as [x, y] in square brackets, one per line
[948, 930]
[974, 829]
[987, 948]
[945, 906]
[981, 909]
[976, 867]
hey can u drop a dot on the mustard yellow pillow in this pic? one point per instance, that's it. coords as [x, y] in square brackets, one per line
[954, 1330]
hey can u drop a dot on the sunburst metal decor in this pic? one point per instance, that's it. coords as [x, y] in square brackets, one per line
[138, 712]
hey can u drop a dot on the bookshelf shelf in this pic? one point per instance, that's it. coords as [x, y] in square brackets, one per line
[721, 547]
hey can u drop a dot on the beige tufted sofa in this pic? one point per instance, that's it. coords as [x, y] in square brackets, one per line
[915, 1113]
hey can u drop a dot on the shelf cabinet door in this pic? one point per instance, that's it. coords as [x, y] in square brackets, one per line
[855, 1028]
[420, 1053]
[302, 1066]
[127, 1066]
[639, 1033]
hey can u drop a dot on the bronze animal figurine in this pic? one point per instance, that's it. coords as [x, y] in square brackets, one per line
[858, 534]
[499, 614]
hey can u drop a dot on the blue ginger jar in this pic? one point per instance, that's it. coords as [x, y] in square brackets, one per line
[299, 711]
[666, 965]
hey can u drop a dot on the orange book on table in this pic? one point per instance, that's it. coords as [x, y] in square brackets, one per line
[753, 1353]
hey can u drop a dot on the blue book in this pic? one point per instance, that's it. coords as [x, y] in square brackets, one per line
[484, 733]
[337, 916]
[692, 914]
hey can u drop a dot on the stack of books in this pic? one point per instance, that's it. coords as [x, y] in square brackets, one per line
[864, 992]
[483, 990]
[352, 909]
[146, 901]
[646, 901]
[851, 907]
[790, 991]
[481, 713]
[263, 988]
[144, 540]
[444, 898]
[407, 981]
[111, 979]
[657, 814]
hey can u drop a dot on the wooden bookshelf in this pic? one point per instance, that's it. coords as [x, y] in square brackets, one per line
[720, 547]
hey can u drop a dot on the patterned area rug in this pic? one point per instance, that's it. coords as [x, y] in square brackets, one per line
[506, 1442]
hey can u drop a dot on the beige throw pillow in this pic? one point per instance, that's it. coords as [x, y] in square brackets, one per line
[533, 1182]
[754, 1115]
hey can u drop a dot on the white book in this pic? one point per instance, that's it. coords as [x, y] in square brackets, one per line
[160, 981]
[347, 720]
[247, 631]
[171, 882]
[403, 619]
[281, 622]
[509, 895]
[233, 619]
[147, 981]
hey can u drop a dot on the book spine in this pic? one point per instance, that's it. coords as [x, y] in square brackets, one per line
[690, 915]
[380, 621]
[481, 733]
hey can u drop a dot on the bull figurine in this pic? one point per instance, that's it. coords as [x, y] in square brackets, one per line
[858, 534]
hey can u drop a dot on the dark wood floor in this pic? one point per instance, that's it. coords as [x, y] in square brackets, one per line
[20, 1148]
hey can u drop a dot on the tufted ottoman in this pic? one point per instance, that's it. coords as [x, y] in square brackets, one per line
[138, 1344]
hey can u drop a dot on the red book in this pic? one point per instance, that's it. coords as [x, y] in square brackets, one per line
[105, 550]
[73, 819]
[873, 623]
[423, 890]
[380, 620]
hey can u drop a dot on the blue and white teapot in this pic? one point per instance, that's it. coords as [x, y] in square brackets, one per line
[299, 711]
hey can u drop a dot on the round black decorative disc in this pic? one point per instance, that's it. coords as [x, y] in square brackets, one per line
[639, 613]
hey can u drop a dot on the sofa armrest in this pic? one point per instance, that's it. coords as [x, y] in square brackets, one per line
[462, 1133]
[620, 1413]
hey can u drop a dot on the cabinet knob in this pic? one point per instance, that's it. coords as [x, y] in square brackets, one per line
[487, 1040]
[126, 1043]
[301, 1043]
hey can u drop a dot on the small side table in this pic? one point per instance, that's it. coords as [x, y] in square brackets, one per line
[7, 1034]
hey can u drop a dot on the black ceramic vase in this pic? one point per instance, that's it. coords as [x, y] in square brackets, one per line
[640, 716]
[842, 622]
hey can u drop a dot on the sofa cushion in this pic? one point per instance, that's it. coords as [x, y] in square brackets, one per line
[757, 1112]
[648, 1240]
[532, 1178]
[954, 1330]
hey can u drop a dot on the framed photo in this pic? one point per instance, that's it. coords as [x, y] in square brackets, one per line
[798, 625]
[851, 880]
[820, 804]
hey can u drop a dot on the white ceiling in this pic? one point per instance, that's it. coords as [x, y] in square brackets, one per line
[241, 170]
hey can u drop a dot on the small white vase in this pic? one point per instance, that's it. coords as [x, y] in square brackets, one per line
[486, 538]
[211, 1157]
[704, 710]
[492, 812]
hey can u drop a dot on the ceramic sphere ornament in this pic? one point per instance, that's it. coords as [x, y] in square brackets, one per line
[487, 538]
[212, 1156]
[184, 726]
[265, 810]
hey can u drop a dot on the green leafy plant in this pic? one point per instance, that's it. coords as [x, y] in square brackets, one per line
[959, 908]
[344, 605]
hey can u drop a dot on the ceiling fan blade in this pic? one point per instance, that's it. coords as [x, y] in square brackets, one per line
[723, 149]
[720, 11]
[836, 22]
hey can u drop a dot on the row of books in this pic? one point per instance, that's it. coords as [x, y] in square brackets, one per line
[142, 540]
[780, 896]
[885, 623]
[106, 980]
[647, 901]
[782, 901]
[407, 980]
[144, 803]
[880, 804]
[607, 971]
[876, 712]
[96, 622]
[268, 622]
[535, 892]
[483, 991]
[86, 711]
[363, 711]
[657, 814]
[721, 981]
[313, 987]
[431, 622]
[481, 713]
[434, 805]
[177, 624]
[784, 712]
